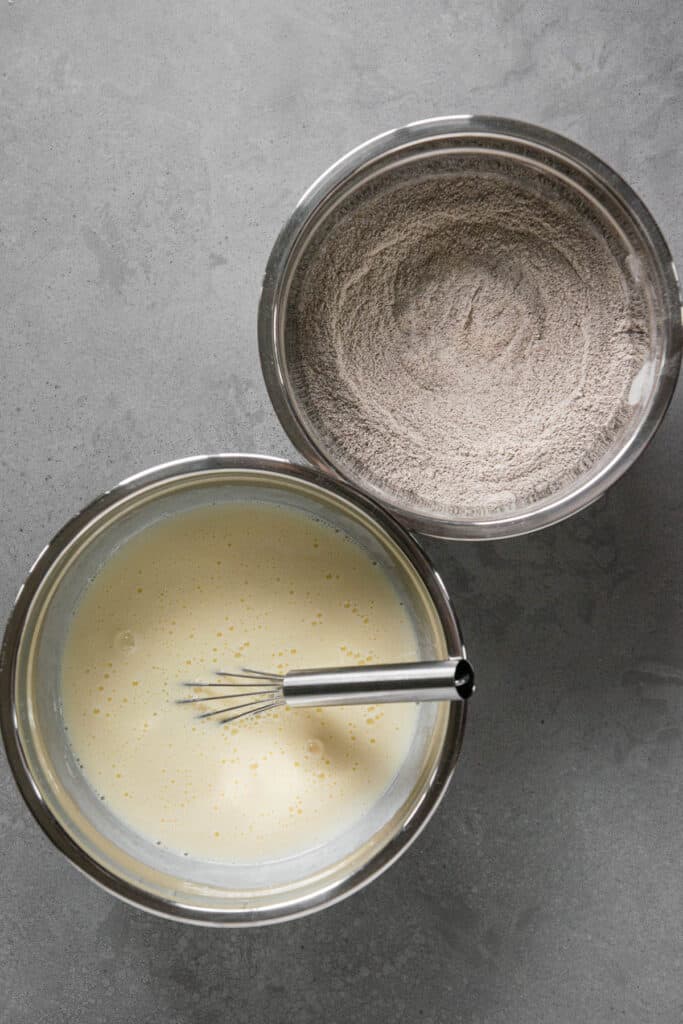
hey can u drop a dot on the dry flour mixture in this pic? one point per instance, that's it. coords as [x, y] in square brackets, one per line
[468, 341]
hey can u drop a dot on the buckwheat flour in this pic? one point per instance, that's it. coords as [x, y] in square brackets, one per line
[466, 341]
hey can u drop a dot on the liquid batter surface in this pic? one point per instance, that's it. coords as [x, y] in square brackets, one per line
[219, 588]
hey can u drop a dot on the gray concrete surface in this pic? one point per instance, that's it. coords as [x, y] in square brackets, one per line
[149, 152]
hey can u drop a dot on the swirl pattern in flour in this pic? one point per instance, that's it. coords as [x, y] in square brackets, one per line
[466, 340]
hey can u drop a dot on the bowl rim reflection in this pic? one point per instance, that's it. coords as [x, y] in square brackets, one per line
[428, 138]
[285, 908]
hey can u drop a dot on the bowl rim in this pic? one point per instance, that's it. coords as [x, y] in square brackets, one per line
[281, 909]
[273, 303]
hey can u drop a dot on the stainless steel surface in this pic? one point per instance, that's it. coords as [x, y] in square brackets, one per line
[598, 185]
[69, 810]
[450, 679]
[447, 680]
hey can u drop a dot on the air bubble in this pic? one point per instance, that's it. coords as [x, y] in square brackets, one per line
[125, 640]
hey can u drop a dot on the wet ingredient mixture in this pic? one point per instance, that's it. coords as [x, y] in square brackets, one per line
[216, 588]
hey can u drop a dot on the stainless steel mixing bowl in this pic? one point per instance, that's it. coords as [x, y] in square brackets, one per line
[67, 806]
[447, 139]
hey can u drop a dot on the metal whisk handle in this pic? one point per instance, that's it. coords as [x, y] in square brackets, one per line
[452, 679]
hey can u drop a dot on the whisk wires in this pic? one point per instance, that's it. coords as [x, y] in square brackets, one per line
[254, 692]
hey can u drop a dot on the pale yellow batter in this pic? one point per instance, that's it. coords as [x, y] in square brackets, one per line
[218, 588]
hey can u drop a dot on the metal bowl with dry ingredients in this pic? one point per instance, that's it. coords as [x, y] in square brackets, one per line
[473, 320]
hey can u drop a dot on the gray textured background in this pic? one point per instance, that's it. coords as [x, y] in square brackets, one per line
[149, 152]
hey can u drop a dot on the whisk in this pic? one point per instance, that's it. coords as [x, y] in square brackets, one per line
[251, 692]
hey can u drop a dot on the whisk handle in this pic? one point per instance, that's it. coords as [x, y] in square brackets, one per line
[452, 679]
